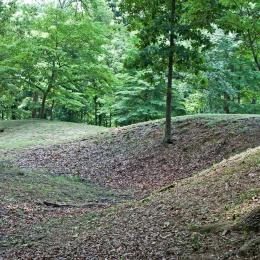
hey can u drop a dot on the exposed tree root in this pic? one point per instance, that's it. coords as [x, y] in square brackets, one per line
[250, 222]
[169, 187]
[211, 228]
[88, 205]
[251, 247]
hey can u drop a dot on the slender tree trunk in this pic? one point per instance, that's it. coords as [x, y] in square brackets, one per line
[253, 50]
[239, 99]
[226, 103]
[13, 117]
[110, 118]
[96, 109]
[51, 111]
[168, 123]
[50, 87]
[100, 119]
[13, 110]
[35, 100]
[42, 112]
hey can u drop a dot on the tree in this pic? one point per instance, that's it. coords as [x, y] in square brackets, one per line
[169, 30]
[59, 53]
[140, 98]
[242, 17]
[228, 81]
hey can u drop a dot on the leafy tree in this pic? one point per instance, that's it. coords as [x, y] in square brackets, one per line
[169, 35]
[58, 53]
[112, 62]
[140, 98]
[228, 80]
[242, 17]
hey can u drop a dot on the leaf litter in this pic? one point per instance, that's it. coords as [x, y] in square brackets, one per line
[159, 225]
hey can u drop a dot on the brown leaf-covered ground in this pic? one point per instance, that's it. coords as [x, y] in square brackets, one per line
[165, 224]
[133, 158]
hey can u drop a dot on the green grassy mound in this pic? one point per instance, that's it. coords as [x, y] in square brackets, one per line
[38, 133]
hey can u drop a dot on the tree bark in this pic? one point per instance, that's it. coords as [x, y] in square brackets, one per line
[51, 110]
[252, 43]
[226, 103]
[253, 102]
[46, 93]
[239, 99]
[168, 122]
[13, 111]
[110, 118]
[35, 100]
[100, 119]
[96, 109]
[42, 113]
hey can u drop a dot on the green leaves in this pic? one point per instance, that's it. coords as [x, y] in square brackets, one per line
[58, 52]
[243, 17]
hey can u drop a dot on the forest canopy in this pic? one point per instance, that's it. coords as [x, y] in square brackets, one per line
[108, 62]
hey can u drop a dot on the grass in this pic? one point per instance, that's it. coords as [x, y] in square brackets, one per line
[36, 133]
[18, 186]
[23, 194]
[19, 134]
[63, 228]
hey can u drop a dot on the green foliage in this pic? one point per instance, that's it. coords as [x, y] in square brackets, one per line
[140, 99]
[242, 17]
[105, 62]
[229, 83]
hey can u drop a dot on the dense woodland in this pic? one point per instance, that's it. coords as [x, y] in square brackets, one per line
[120, 62]
[74, 184]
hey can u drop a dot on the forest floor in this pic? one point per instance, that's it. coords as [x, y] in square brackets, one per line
[121, 194]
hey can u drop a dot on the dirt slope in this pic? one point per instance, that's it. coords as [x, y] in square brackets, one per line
[195, 219]
[133, 158]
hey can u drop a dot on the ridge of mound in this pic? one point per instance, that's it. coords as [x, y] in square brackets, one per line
[133, 158]
[171, 224]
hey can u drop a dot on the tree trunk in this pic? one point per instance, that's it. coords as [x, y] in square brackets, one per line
[13, 112]
[96, 110]
[35, 100]
[100, 119]
[168, 123]
[226, 103]
[51, 110]
[110, 118]
[252, 43]
[238, 99]
[46, 93]
[42, 112]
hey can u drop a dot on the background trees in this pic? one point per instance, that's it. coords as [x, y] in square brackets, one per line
[100, 62]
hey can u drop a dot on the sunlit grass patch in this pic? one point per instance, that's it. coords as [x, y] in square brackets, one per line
[17, 186]
[35, 133]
